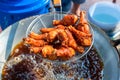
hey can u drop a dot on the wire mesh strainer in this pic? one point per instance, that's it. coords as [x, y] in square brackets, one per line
[46, 20]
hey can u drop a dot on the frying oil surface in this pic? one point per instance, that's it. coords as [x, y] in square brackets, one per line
[22, 65]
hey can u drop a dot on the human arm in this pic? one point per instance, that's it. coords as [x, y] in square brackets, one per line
[76, 6]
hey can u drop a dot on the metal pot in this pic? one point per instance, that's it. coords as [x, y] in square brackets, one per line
[14, 34]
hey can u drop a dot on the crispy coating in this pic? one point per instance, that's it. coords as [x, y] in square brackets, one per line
[83, 24]
[47, 50]
[33, 42]
[67, 20]
[35, 49]
[78, 33]
[63, 37]
[82, 38]
[63, 40]
[46, 30]
[65, 52]
[71, 41]
[38, 36]
[52, 35]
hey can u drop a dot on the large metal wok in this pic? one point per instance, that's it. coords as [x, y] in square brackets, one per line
[14, 34]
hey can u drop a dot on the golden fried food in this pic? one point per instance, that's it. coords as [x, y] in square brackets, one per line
[69, 19]
[63, 40]
[46, 30]
[72, 43]
[60, 27]
[78, 33]
[62, 36]
[35, 49]
[82, 18]
[38, 36]
[65, 52]
[83, 39]
[52, 35]
[33, 42]
[83, 24]
[80, 49]
[47, 50]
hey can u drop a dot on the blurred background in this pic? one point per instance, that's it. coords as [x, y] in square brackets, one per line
[88, 3]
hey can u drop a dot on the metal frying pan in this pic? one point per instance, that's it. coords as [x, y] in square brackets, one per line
[14, 34]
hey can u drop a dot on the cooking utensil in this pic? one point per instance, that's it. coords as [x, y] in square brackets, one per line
[16, 32]
[46, 20]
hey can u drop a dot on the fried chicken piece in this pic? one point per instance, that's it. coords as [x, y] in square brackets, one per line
[60, 27]
[35, 49]
[38, 36]
[80, 49]
[78, 33]
[72, 43]
[84, 28]
[85, 41]
[47, 50]
[52, 35]
[46, 30]
[56, 22]
[82, 38]
[33, 42]
[82, 18]
[63, 37]
[65, 52]
[83, 24]
[67, 20]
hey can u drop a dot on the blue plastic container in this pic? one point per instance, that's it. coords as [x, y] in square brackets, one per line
[105, 15]
[15, 10]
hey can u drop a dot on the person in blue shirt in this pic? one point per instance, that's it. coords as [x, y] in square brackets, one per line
[72, 6]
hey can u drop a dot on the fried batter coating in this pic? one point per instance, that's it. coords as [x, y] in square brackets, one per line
[33, 42]
[80, 49]
[38, 36]
[72, 43]
[35, 49]
[78, 33]
[83, 24]
[82, 18]
[82, 38]
[85, 41]
[63, 40]
[69, 19]
[47, 50]
[46, 30]
[63, 37]
[52, 35]
[65, 52]
[60, 27]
